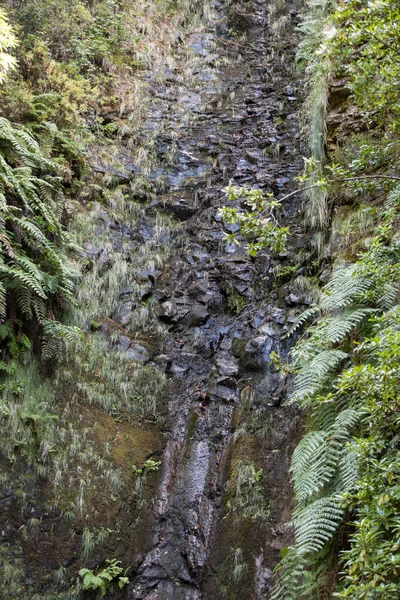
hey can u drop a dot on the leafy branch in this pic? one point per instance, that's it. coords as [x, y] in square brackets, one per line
[259, 226]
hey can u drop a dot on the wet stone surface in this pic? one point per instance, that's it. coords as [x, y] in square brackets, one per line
[234, 120]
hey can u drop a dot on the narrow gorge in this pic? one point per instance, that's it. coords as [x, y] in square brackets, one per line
[181, 443]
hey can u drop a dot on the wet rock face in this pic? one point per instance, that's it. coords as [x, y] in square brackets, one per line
[224, 317]
[217, 518]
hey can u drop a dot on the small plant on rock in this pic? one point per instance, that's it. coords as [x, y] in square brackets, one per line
[149, 466]
[102, 580]
[258, 225]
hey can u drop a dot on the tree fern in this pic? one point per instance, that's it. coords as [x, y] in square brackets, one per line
[35, 273]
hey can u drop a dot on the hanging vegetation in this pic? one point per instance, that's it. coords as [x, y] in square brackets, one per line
[346, 467]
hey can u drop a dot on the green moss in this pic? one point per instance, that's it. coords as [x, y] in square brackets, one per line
[238, 347]
[236, 302]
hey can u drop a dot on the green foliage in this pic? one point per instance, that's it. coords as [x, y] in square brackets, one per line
[40, 438]
[373, 39]
[101, 580]
[347, 377]
[371, 564]
[35, 272]
[149, 466]
[11, 573]
[91, 539]
[7, 42]
[236, 302]
[258, 226]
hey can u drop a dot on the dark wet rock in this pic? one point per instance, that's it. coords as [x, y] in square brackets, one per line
[178, 370]
[144, 291]
[190, 100]
[294, 299]
[255, 156]
[257, 319]
[105, 258]
[137, 352]
[226, 367]
[262, 263]
[232, 227]
[197, 552]
[325, 275]
[199, 292]
[91, 251]
[282, 181]
[200, 43]
[221, 391]
[161, 295]
[123, 343]
[123, 313]
[339, 92]
[167, 312]
[239, 346]
[205, 75]
[179, 209]
[278, 315]
[149, 274]
[198, 255]
[256, 355]
[164, 362]
[198, 315]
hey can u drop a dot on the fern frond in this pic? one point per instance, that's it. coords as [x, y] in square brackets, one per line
[347, 472]
[312, 311]
[52, 348]
[315, 524]
[29, 266]
[339, 327]
[308, 446]
[40, 310]
[312, 471]
[312, 376]
[344, 288]
[390, 296]
[13, 278]
[34, 268]
[24, 300]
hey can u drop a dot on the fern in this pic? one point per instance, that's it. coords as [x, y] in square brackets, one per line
[344, 288]
[324, 465]
[302, 319]
[347, 472]
[35, 272]
[317, 460]
[3, 306]
[390, 296]
[316, 524]
[312, 376]
[340, 326]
